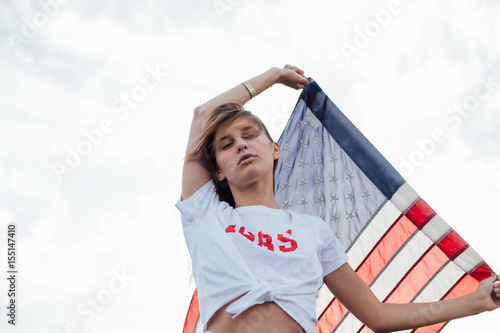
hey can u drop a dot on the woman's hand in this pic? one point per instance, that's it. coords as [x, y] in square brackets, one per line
[488, 292]
[293, 77]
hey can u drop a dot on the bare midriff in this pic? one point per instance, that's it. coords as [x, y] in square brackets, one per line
[261, 318]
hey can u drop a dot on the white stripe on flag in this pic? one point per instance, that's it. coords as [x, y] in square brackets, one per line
[363, 245]
[440, 284]
[349, 324]
[468, 260]
[393, 273]
[405, 197]
[400, 265]
[324, 299]
[436, 229]
[372, 233]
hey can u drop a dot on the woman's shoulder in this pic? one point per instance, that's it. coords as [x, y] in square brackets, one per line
[203, 200]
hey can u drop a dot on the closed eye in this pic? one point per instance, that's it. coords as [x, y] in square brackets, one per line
[249, 135]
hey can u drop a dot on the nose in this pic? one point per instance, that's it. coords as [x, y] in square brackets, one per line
[241, 144]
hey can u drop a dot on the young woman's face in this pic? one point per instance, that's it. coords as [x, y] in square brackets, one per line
[244, 153]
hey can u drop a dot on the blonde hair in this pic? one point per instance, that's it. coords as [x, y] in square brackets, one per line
[216, 122]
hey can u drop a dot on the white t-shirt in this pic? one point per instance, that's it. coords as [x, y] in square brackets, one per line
[275, 255]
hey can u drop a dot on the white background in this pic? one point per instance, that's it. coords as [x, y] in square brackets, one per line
[399, 70]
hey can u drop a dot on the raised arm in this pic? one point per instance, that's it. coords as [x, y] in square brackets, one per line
[194, 174]
[356, 296]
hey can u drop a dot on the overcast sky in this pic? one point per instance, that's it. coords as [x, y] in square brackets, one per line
[96, 102]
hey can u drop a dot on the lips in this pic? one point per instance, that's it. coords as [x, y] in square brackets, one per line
[246, 158]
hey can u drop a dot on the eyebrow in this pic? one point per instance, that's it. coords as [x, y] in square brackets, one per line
[243, 129]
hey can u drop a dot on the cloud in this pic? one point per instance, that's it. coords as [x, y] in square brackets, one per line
[115, 211]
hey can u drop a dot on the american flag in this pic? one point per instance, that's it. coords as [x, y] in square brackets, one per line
[395, 241]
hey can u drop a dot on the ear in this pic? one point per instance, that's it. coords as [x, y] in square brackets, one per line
[276, 150]
[220, 176]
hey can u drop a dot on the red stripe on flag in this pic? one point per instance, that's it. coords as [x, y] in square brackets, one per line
[465, 285]
[364, 329]
[332, 315]
[482, 272]
[418, 276]
[373, 264]
[430, 329]
[385, 249]
[420, 213]
[452, 245]
[192, 315]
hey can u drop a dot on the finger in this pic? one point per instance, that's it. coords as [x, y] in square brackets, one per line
[300, 71]
[490, 280]
[496, 284]
[494, 277]
[294, 68]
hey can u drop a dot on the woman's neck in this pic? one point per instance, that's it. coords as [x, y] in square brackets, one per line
[259, 193]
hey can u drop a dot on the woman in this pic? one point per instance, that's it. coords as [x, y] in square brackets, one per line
[242, 245]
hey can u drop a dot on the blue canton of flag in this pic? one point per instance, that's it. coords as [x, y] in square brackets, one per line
[317, 177]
